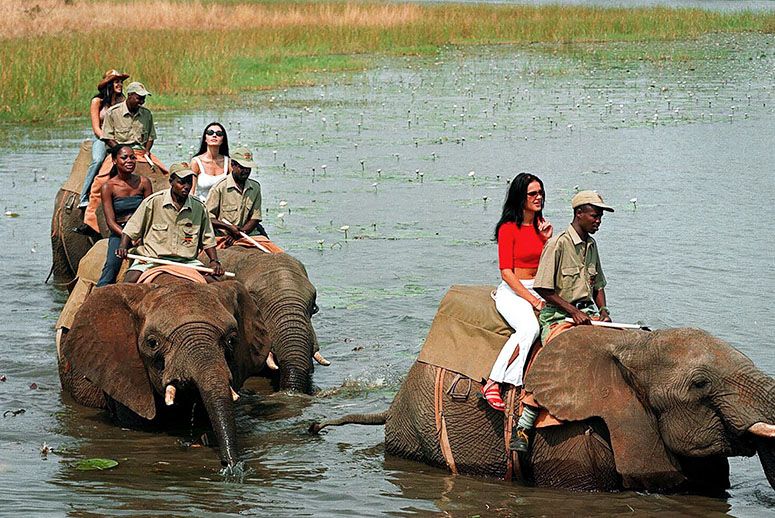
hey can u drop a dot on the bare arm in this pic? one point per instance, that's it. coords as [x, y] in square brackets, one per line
[94, 114]
[146, 188]
[148, 145]
[509, 278]
[106, 192]
[215, 264]
[600, 301]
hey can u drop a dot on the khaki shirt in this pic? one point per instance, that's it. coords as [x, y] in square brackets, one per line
[167, 232]
[570, 267]
[125, 128]
[227, 203]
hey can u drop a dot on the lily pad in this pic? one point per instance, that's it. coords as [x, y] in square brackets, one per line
[92, 464]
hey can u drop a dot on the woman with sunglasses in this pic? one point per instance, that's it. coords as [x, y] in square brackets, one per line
[110, 91]
[521, 233]
[211, 163]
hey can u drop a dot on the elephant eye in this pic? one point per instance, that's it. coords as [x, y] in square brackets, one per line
[700, 383]
[231, 341]
[314, 309]
[152, 343]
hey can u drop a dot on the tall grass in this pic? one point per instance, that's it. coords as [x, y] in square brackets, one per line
[52, 56]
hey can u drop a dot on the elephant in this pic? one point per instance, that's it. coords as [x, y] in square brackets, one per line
[147, 352]
[642, 410]
[67, 246]
[285, 299]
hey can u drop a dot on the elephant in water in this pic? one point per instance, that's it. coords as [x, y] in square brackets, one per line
[285, 299]
[67, 246]
[655, 410]
[147, 352]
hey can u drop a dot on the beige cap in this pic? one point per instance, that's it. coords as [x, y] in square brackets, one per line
[243, 157]
[137, 88]
[591, 198]
[181, 170]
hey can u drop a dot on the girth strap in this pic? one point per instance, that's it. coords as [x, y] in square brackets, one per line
[441, 423]
[513, 469]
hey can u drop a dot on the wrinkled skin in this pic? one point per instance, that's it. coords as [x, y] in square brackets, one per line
[659, 411]
[131, 342]
[285, 299]
[69, 247]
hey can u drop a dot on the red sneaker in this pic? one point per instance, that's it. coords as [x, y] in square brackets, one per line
[492, 394]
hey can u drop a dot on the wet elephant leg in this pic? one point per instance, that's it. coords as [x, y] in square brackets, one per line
[475, 431]
[575, 456]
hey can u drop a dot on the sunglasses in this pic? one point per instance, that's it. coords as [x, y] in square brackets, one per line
[217, 133]
[533, 194]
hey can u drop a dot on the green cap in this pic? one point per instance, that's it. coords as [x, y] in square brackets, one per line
[181, 170]
[137, 88]
[243, 157]
[591, 198]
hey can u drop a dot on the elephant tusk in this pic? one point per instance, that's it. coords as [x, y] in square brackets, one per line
[169, 395]
[234, 395]
[321, 360]
[271, 363]
[763, 430]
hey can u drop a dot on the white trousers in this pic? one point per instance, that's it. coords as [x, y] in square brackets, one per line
[519, 314]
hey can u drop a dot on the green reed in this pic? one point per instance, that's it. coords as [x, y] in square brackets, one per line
[43, 78]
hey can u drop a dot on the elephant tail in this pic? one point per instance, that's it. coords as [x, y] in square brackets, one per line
[368, 419]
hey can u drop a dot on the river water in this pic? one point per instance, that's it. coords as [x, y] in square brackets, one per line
[413, 156]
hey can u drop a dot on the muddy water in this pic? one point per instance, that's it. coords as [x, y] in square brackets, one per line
[413, 156]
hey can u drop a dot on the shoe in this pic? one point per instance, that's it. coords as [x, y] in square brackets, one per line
[492, 394]
[520, 442]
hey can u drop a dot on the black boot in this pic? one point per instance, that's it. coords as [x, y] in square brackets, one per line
[520, 442]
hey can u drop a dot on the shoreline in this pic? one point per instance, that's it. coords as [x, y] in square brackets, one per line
[243, 48]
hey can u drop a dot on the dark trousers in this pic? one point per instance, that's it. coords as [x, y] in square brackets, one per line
[112, 263]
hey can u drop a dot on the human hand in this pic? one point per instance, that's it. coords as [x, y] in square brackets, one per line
[545, 229]
[604, 316]
[229, 240]
[215, 264]
[121, 253]
[539, 304]
[580, 318]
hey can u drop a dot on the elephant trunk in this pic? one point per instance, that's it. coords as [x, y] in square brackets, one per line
[204, 364]
[757, 401]
[293, 340]
[217, 397]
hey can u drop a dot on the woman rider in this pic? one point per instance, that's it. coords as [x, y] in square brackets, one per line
[121, 195]
[211, 163]
[110, 91]
[521, 233]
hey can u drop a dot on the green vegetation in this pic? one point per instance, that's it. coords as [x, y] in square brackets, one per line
[47, 75]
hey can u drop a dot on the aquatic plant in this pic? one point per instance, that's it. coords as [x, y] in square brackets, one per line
[52, 54]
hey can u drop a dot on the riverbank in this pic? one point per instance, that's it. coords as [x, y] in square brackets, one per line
[52, 54]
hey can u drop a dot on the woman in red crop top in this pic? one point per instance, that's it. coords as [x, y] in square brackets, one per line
[521, 234]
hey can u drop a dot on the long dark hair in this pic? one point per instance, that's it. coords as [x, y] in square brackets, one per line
[114, 154]
[514, 206]
[105, 95]
[223, 150]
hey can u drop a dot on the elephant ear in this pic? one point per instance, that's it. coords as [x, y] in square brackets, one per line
[579, 375]
[253, 333]
[102, 346]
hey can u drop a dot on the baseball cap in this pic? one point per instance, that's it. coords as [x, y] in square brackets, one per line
[137, 88]
[591, 198]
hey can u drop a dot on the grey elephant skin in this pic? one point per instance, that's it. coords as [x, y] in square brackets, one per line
[69, 247]
[285, 299]
[659, 411]
[147, 352]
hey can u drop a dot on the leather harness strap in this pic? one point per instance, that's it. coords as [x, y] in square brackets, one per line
[513, 469]
[441, 424]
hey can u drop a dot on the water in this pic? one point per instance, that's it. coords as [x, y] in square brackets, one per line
[695, 250]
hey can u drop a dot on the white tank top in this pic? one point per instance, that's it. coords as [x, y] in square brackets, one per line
[204, 181]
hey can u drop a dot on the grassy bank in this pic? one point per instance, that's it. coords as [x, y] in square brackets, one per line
[52, 54]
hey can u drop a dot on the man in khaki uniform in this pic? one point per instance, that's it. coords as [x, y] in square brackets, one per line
[130, 122]
[570, 278]
[234, 203]
[171, 225]
[571, 281]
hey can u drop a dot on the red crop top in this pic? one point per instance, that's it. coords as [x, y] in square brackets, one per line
[518, 247]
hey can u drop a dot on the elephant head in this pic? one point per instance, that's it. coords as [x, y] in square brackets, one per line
[669, 398]
[285, 299]
[144, 344]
